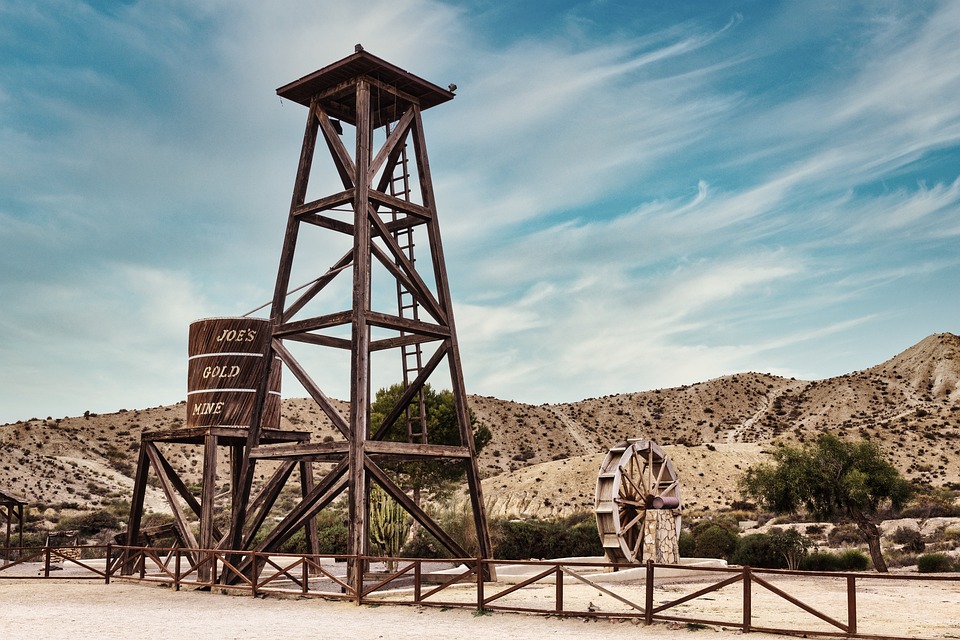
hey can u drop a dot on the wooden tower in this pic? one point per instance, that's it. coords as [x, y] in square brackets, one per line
[377, 201]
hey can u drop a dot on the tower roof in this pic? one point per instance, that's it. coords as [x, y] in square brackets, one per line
[361, 63]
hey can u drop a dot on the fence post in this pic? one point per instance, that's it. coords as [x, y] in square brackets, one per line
[46, 562]
[559, 579]
[254, 573]
[851, 605]
[480, 596]
[306, 576]
[106, 564]
[176, 570]
[416, 580]
[648, 599]
[747, 587]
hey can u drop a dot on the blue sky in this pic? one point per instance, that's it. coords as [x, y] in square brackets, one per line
[632, 194]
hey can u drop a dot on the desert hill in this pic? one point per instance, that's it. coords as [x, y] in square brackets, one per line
[542, 459]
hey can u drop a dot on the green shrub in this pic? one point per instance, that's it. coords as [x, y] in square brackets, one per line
[523, 539]
[756, 550]
[937, 563]
[92, 523]
[849, 560]
[715, 541]
[776, 549]
[687, 545]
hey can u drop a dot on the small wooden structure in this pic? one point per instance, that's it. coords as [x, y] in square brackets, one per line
[11, 510]
[213, 439]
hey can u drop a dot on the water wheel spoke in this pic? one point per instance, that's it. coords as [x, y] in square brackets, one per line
[626, 483]
[631, 503]
[630, 525]
[663, 466]
[638, 545]
[669, 488]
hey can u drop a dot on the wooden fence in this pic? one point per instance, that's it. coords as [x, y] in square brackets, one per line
[652, 593]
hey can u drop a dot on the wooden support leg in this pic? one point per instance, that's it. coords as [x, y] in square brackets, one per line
[207, 501]
[136, 508]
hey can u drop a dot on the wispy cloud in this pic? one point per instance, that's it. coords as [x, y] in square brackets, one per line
[627, 202]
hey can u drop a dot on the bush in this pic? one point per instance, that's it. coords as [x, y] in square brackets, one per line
[92, 523]
[687, 545]
[715, 541]
[844, 534]
[777, 549]
[756, 550]
[910, 539]
[849, 560]
[937, 563]
[523, 539]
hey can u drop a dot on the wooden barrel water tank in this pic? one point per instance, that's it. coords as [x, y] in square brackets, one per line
[225, 367]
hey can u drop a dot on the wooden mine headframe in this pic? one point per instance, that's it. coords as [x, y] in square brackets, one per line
[381, 209]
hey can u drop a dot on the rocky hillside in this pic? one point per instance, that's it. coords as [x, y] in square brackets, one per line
[543, 458]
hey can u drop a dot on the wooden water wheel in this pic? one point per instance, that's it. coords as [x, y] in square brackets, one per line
[638, 503]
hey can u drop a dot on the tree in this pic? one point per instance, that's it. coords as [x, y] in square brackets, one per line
[433, 477]
[832, 479]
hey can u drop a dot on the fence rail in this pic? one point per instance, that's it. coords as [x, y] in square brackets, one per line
[651, 593]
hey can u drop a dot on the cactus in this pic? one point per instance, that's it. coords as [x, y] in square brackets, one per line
[389, 525]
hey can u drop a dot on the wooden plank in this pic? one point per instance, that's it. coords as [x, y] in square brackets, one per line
[265, 500]
[301, 451]
[411, 391]
[360, 337]
[399, 341]
[313, 389]
[406, 206]
[341, 159]
[391, 144]
[397, 323]
[207, 493]
[318, 285]
[320, 340]
[414, 510]
[453, 361]
[313, 324]
[413, 282]
[179, 517]
[803, 605]
[323, 204]
[326, 222]
[322, 494]
[415, 449]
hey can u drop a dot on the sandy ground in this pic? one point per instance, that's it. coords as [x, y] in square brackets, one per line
[34, 609]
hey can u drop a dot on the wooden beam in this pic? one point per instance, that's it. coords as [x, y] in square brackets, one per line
[405, 324]
[318, 285]
[406, 206]
[313, 389]
[313, 324]
[414, 510]
[305, 451]
[342, 159]
[415, 450]
[320, 340]
[455, 366]
[391, 144]
[324, 204]
[179, 517]
[412, 390]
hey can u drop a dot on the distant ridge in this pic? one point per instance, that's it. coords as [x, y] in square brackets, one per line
[909, 404]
